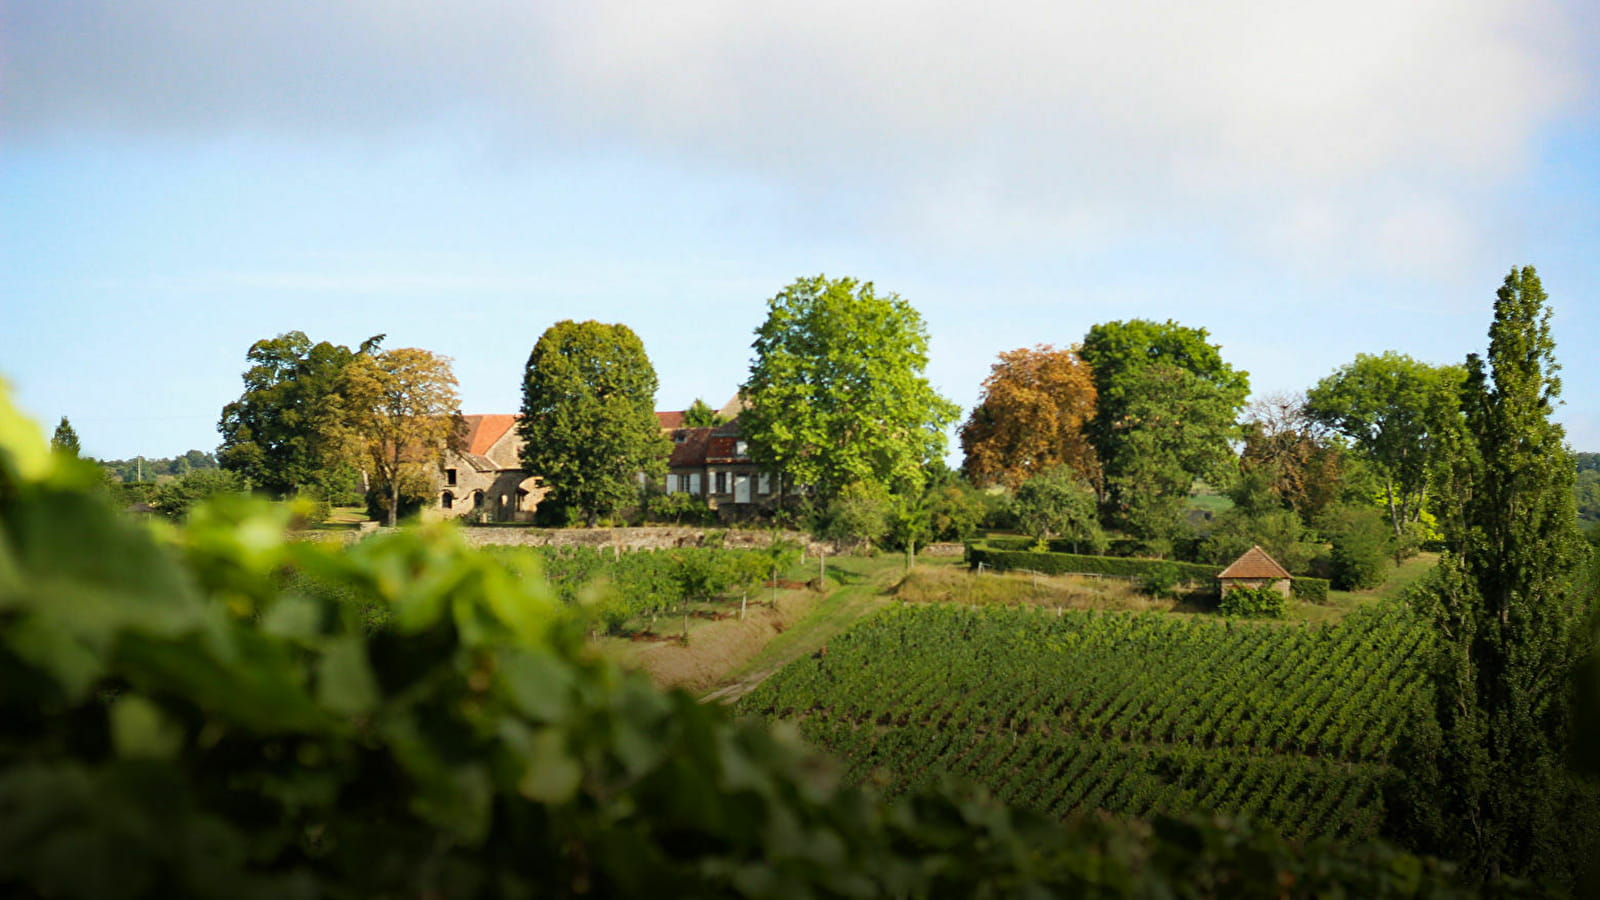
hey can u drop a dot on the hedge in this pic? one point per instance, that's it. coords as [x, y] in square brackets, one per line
[1311, 590]
[987, 554]
[1013, 553]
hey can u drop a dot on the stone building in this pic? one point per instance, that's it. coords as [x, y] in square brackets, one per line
[485, 481]
[1255, 569]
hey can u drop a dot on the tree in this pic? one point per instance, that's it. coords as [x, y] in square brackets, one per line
[285, 430]
[836, 393]
[1057, 503]
[1489, 785]
[400, 413]
[1394, 410]
[1284, 452]
[1166, 410]
[700, 415]
[588, 422]
[65, 439]
[1361, 545]
[1031, 416]
[175, 498]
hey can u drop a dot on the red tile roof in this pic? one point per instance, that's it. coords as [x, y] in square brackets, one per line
[483, 431]
[1255, 563]
[670, 419]
[689, 447]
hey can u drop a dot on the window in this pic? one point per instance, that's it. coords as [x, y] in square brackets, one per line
[522, 497]
[477, 499]
[740, 448]
[447, 500]
[694, 483]
[722, 482]
[679, 437]
[672, 484]
[763, 483]
[450, 477]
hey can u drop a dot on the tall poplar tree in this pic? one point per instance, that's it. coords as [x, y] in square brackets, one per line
[65, 439]
[588, 416]
[1489, 785]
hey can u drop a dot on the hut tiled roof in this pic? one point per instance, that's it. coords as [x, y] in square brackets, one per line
[1255, 563]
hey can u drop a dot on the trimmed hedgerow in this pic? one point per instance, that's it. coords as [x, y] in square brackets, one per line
[994, 555]
[1311, 590]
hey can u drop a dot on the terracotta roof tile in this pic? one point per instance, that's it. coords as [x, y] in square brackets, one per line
[670, 420]
[1255, 563]
[483, 431]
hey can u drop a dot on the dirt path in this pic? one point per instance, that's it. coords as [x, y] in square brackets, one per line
[865, 592]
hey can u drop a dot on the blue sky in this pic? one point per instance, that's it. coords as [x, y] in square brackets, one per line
[1306, 181]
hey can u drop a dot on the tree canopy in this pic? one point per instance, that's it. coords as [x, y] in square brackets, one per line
[836, 393]
[701, 415]
[1032, 415]
[1394, 410]
[65, 439]
[283, 431]
[1166, 410]
[400, 413]
[588, 416]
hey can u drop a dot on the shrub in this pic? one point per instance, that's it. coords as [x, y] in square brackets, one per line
[859, 515]
[1253, 602]
[1311, 590]
[1362, 543]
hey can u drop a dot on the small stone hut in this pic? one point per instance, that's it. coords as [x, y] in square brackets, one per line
[1255, 569]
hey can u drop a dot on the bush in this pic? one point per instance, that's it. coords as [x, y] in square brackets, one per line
[859, 515]
[1311, 590]
[1249, 602]
[175, 498]
[1362, 544]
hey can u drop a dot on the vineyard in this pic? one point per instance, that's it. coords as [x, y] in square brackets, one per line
[1133, 714]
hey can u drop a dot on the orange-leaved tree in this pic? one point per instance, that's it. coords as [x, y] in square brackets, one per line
[1031, 418]
[400, 414]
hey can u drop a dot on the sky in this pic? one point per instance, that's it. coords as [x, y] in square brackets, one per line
[1306, 181]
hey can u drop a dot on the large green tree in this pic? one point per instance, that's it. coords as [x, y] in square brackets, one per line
[1489, 786]
[282, 432]
[1394, 410]
[836, 393]
[1167, 410]
[588, 416]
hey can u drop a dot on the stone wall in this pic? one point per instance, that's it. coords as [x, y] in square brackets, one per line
[647, 538]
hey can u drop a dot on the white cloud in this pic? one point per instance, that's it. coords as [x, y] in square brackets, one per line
[1284, 122]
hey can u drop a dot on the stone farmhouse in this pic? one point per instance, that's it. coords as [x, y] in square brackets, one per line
[485, 480]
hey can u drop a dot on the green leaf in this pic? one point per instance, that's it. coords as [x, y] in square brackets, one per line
[139, 729]
[345, 683]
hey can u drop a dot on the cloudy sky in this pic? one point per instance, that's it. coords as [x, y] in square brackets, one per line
[1307, 181]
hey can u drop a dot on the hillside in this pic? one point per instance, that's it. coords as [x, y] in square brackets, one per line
[1130, 713]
